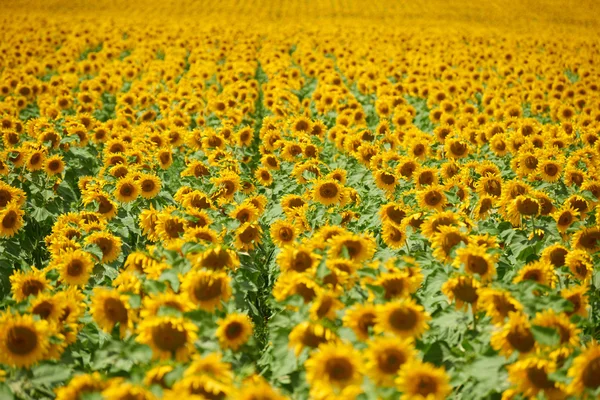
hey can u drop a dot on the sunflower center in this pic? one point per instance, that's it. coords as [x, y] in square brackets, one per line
[148, 186]
[418, 150]
[105, 245]
[466, 292]
[565, 218]
[35, 159]
[173, 228]
[365, 321]
[339, 369]
[403, 319]
[539, 378]
[249, 234]
[200, 170]
[590, 240]
[166, 337]
[433, 198]
[301, 125]
[75, 268]
[390, 361]
[426, 386]
[44, 309]
[214, 260]
[503, 306]
[388, 179]
[10, 219]
[286, 234]
[591, 374]
[393, 287]
[5, 197]
[478, 265]
[311, 339]
[32, 287]
[493, 187]
[208, 290]
[576, 301]
[302, 262]
[521, 339]
[550, 169]
[395, 214]
[296, 202]
[54, 165]
[486, 205]
[407, 169]
[328, 190]
[306, 292]
[528, 207]
[233, 330]
[105, 206]
[426, 178]
[458, 148]
[533, 275]
[115, 311]
[531, 162]
[395, 234]
[21, 340]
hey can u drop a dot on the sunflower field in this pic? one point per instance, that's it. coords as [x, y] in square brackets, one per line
[300, 199]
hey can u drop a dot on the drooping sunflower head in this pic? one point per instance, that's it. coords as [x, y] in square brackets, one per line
[515, 335]
[248, 236]
[568, 332]
[585, 372]
[109, 308]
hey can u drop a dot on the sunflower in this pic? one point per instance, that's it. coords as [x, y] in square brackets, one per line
[76, 267]
[532, 377]
[522, 207]
[54, 165]
[245, 212]
[109, 307]
[577, 296]
[418, 380]
[25, 284]
[257, 388]
[360, 318]
[11, 220]
[327, 191]
[445, 218]
[464, 290]
[207, 288]
[299, 258]
[537, 271]
[432, 198]
[580, 264]
[294, 283]
[48, 307]
[156, 375]
[385, 180]
[234, 331]
[283, 232]
[335, 369]
[445, 240]
[569, 334]
[585, 372]
[81, 385]
[263, 176]
[385, 356]
[200, 387]
[476, 261]
[392, 213]
[587, 239]
[565, 217]
[325, 305]
[555, 255]
[211, 365]
[309, 335]
[157, 304]
[117, 389]
[227, 184]
[216, 258]
[149, 185]
[498, 304]
[359, 248]
[514, 335]
[109, 244]
[200, 234]
[168, 337]
[168, 226]
[292, 202]
[550, 170]
[248, 236]
[403, 317]
[106, 206]
[397, 284]
[23, 340]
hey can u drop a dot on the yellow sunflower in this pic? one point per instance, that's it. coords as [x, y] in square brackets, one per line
[156, 375]
[565, 217]
[444, 241]
[25, 284]
[245, 212]
[216, 258]
[109, 307]
[585, 372]
[587, 239]
[393, 236]
[498, 304]
[248, 236]
[464, 290]
[580, 264]
[169, 337]
[23, 341]
[118, 389]
[555, 255]
[569, 333]
[432, 198]
[234, 331]
[49, 307]
[149, 185]
[422, 381]
[325, 305]
[385, 356]
[283, 232]
[361, 319]
[577, 296]
[81, 385]
[537, 271]
[153, 304]
[300, 258]
[476, 261]
[335, 369]
[404, 318]
[514, 335]
[76, 267]
[327, 192]
[109, 244]
[359, 248]
[531, 377]
[11, 220]
[309, 335]
[207, 288]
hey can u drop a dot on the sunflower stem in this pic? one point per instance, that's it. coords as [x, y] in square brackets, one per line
[474, 318]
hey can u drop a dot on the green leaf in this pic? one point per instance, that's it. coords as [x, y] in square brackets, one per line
[170, 276]
[546, 336]
[49, 374]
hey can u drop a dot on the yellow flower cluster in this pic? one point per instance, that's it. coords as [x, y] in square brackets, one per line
[300, 199]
